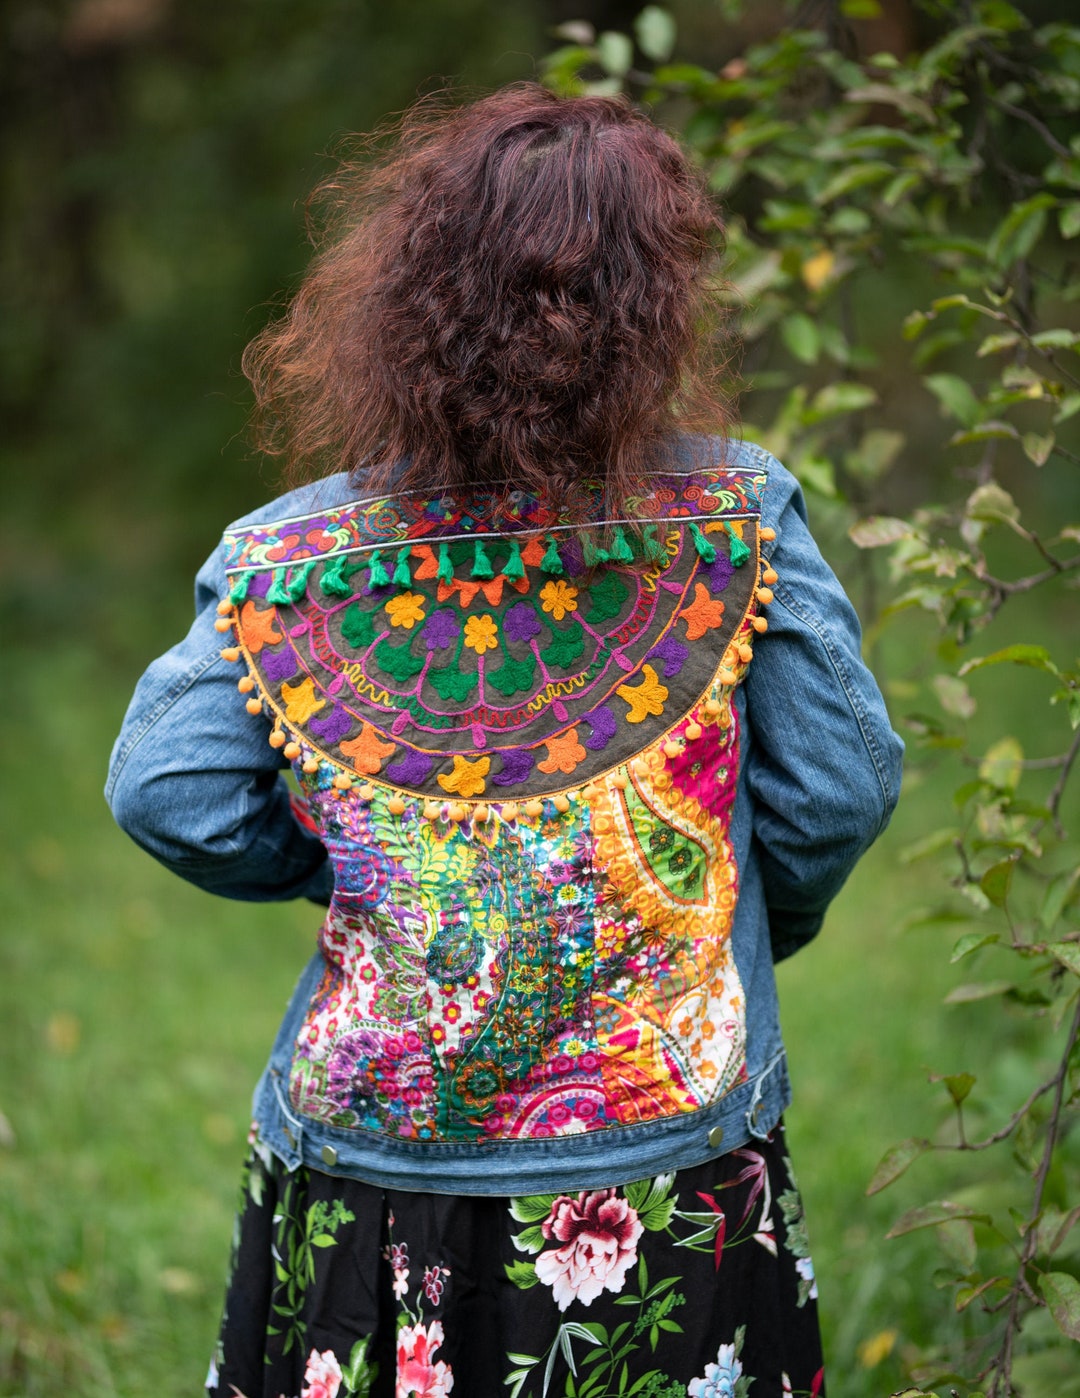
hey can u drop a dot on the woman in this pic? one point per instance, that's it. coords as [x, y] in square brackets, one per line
[520, 1131]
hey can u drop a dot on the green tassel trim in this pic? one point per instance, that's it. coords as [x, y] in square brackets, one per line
[239, 590]
[402, 576]
[655, 551]
[445, 571]
[621, 552]
[276, 592]
[481, 565]
[551, 562]
[740, 552]
[377, 574]
[332, 583]
[705, 550]
[514, 570]
[593, 554]
[297, 584]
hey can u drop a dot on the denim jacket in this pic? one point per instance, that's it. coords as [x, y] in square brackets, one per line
[569, 791]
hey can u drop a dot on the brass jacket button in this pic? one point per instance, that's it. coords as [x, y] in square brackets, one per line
[329, 1155]
[716, 1136]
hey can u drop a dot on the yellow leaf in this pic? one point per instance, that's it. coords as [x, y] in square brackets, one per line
[818, 270]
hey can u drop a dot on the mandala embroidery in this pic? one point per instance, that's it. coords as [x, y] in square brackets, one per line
[520, 750]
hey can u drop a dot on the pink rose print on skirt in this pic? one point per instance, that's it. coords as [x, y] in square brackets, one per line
[419, 1374]
[322, 1377]
[599, 1234]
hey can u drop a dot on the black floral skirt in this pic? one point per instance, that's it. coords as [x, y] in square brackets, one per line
[695, 1285]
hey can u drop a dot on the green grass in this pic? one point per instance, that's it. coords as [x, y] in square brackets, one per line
[137, 1013]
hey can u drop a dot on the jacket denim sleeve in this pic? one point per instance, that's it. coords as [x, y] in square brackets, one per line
[194, 781]
[823, 766]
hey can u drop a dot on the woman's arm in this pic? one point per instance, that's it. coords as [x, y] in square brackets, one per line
[823, 766]
[194, 781]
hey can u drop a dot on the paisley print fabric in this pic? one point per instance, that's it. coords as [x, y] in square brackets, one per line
[520, 751]
[690, 1285]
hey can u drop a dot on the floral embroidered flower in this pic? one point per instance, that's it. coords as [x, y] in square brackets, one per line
[441, 630]
[433, 1283]
[406, 610]
[558, 598]
[481, 633]
[702, 614]
[564, 753]
[599, 1233]
[367, 750]
[467, 778]
[419, 1374]
[521, 622]
[720, 1378]
[646, 698]
[399, 1261]
[257, 627]
[322, 1376]
[300, 701]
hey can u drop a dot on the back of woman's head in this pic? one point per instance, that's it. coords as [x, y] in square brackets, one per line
[511, 295]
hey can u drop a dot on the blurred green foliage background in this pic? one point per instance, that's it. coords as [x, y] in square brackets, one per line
[154, 158]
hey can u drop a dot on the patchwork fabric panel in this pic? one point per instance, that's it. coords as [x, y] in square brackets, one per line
[520, 748]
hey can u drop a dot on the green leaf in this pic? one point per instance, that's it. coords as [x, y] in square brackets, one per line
[654, 30]
[800, 335]
[836, 398]
[977, 990]
[323, 1240]
[953, 696]
[1002, 767]
[893, 97]
[1061, 1292]
[991, 502]
[531, 1208]
[1058, 893]
[1037, 448]
[997, 881]
[1069, 220]
[928, 844]
[956, 397]
[878, 531]
[994, 344]
[854, 177]
[876, 452]
[1068, 953]
[959, 1085]
[1019, 230]
[522, 1274]
[930, 1215]
[615, 52]
[972, 941]
[895, 1161]
[1037, 657]
[1059, 338]
[991, 430]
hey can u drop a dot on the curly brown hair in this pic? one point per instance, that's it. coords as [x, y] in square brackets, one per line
[511, 294]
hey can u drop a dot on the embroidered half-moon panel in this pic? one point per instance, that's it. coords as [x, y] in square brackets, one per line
[415, 644]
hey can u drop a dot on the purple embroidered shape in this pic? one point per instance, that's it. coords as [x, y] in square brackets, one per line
[516, 765]
[719, 573]
[280, 665]
[259, 585]
[333, 727]
[412, 769]
[603, 725]
[441, 629]
[521, 623]
[673, 653]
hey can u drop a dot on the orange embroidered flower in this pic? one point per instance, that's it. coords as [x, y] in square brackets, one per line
[702, 614]
[558, 598]
[367, 750]
[564, 753]
[646, 698]
[406, 610]
[300, 701]
[257, 628]
[481, 633]
[467, 778]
